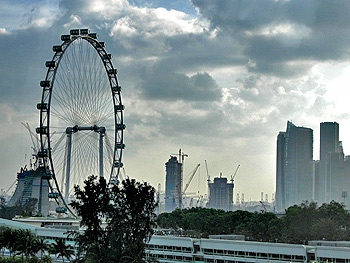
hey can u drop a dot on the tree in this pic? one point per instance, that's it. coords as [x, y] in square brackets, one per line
[131, 219]
[26, 209]
[2, 241]
[128, 210]
[26, 243]
[42, 246]
[10, 238]
[29, 206]
[61, 249]
[91, 205]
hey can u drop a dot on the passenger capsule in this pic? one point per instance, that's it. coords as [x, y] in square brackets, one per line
[61, 209]
[54, 195]
[75, 32]
[112, 71]
[66, 37]
[118, 164]
[103, 44]
[42, 154]
[84, 31]
[45, 83]
[121, 126]
[117, 89]
[42, 130]
[51, 64]
[42, 106]
[120, 146]
[93, 35]
[119, 107]
[57, 48]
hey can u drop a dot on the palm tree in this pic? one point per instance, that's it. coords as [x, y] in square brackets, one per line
[27, 244]
[10, 238]
[61, 249]
[42, 246]
[2, 241]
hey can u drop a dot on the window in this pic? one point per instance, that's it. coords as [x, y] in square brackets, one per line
[274, 256]
[241, 253]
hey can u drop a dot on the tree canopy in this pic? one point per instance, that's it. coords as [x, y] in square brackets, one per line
[300, 223]
[22, 245]
[26, 209]
[117, 219]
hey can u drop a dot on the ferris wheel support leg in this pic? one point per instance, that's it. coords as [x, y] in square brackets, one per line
[69, 153]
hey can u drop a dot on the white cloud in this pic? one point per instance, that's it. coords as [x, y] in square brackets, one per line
[219, 86]
[3, 31]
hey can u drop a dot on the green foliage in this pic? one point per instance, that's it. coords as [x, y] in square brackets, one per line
[62, 250]
[127, 209]
[300, 224]
[22, 245]
[27, 209]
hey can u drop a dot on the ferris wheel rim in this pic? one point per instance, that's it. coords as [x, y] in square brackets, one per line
[45, 114]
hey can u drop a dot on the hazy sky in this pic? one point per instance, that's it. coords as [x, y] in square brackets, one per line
[218, 79]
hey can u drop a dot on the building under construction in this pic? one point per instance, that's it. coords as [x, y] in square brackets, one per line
[32, 184]
[221, 193]
[173, 184]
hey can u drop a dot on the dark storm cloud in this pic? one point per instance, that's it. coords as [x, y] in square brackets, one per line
[174, 86]
[276, 32]
[22, 66]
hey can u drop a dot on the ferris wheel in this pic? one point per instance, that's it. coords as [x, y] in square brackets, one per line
[81, 116]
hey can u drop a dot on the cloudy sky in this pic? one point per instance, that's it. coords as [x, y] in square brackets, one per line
[218, 79]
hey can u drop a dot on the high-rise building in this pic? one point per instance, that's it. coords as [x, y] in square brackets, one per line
[173, 184]
[294, 171]
[280, 185]
[221, 194]
[329, 147]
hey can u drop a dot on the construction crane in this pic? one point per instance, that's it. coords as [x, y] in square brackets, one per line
[36, 143]
[234, 174]
[206, 168]
[34, 138]
[263, 205]
[158, 198]
[182, 156]
[191, 177]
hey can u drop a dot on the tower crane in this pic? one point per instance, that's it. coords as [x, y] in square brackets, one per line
[263, 205]
[158, 198]
[34, 138]
[178, 187]
[36, 143]
[234, 174]
[206, 168]
[191, 177]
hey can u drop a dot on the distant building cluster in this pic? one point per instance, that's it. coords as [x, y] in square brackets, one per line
[299, 178]
[220, 190]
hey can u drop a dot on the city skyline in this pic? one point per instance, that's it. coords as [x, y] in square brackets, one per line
[217, 79]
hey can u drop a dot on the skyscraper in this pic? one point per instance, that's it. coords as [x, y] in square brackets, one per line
[280, 185]
[294, 171]
[173, 184]
[329, 145]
